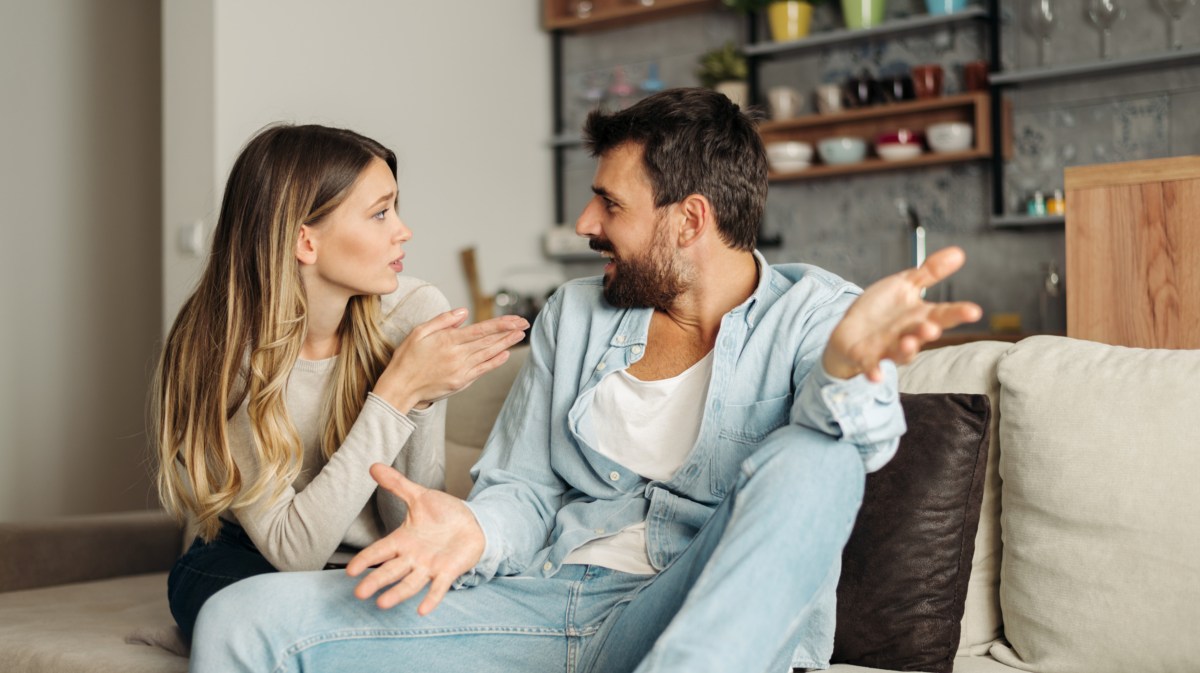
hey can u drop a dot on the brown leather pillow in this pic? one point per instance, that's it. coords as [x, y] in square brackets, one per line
[906, 566]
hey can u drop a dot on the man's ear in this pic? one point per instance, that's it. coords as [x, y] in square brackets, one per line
[697, 218]
[306, 246]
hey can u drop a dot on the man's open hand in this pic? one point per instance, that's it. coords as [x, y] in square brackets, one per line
[891, 321]
[439, 541]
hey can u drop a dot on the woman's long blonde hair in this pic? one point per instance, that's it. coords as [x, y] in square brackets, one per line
[238, 336]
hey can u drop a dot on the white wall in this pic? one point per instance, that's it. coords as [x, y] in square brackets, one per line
[460, 90]
[80, 190]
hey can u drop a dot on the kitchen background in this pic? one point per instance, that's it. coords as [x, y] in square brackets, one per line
[121, 119]
[851, 224]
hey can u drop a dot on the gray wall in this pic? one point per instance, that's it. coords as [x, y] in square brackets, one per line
[851, 225]
[81, 192]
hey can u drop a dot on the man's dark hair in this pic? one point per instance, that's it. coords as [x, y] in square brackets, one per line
[694, 141]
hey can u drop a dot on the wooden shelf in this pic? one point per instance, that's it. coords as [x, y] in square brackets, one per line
[556, 14]
[845, 36]
[1027, 221]
[867, 123]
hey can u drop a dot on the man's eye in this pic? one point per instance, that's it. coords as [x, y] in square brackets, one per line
[609, 205]
[381, 214]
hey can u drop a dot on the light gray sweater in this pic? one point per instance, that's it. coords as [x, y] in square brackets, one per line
[332, 508]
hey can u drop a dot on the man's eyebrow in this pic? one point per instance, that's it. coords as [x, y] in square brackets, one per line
[604, 193]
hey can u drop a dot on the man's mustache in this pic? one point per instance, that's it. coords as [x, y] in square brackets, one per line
[601, 245]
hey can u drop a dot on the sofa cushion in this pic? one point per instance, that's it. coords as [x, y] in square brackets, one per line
[906, 565]
[971, 368]
[83, 627]
[1101, 509]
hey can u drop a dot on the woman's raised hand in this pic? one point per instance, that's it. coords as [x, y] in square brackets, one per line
[440, 357]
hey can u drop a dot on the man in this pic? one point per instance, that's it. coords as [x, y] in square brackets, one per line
[676, 470]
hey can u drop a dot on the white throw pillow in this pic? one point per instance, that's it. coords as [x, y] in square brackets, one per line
[1101, 521]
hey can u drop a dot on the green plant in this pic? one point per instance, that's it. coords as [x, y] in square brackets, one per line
[721, 65]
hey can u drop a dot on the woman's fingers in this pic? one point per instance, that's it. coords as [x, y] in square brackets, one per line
[449, 319]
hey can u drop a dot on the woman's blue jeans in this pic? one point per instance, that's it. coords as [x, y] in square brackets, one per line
[207, 568]
[740, 598]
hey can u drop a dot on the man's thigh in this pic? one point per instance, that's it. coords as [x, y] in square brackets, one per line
[311, 621]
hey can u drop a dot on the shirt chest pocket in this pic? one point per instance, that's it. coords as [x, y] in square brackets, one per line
[743, 428]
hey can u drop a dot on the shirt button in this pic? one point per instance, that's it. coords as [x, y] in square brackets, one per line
[614, 475]
[600, 367]
[636, 350]
[547, 566]
[621, 339]
[599, 531]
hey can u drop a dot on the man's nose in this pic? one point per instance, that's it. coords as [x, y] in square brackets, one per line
[587, 224]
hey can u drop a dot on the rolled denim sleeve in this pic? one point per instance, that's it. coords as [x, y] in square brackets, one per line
[856, 410]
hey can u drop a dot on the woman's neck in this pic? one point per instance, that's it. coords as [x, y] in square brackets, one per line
[322, 339]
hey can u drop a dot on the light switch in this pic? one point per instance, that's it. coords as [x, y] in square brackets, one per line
[191, 238]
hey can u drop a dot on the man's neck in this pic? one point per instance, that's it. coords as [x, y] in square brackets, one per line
[684, 333]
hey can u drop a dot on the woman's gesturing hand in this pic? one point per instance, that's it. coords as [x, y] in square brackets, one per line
[440, 358]
[439, 541]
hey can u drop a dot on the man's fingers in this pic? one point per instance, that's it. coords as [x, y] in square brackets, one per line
[395, 483]
[955, 313]
[410, 586]
[437, 591]
[389, 573]
[375, 553]
[939, 266]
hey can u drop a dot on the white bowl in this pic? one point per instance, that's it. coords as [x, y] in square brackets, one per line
[842, 150]
[949, 136]
[789, 155]
[897, 151]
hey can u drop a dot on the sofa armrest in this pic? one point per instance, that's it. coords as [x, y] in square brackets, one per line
[84, 548]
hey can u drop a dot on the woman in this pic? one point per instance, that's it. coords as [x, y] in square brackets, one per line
[299, 361]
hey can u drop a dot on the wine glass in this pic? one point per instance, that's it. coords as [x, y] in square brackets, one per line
[1041, 25]
[1174, 10]
[1104, 13]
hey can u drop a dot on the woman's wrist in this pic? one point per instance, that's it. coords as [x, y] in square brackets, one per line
[397, 396]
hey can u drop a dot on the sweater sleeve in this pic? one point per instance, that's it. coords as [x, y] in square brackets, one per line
[303, 527]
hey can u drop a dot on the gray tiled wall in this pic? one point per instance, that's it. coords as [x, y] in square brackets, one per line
[851, 225]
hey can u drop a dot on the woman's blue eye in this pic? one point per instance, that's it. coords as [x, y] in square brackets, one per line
[381, 214]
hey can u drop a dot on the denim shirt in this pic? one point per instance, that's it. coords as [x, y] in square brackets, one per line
[541, 487]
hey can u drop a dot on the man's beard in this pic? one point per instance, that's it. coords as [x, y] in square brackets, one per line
[650, 280]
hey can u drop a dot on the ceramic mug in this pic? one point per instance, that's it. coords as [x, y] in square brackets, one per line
[896, 89]
[927, 80]
[975, 76]
[784, 101]
[861, 91]
[829, 98]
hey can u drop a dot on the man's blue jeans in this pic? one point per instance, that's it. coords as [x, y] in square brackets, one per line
[738, 599]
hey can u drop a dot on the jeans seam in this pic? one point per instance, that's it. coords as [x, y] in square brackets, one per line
[358, 634]
[190, 569]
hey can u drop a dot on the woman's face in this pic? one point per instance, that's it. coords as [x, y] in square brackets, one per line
[357, 249]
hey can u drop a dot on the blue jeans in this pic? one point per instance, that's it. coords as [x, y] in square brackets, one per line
[739, 598]
[207, 568]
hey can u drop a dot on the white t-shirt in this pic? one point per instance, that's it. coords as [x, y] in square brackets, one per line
[649, 427]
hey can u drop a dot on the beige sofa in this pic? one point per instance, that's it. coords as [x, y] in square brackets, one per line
[1093, 564]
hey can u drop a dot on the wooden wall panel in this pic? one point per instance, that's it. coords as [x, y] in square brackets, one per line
[1133, 253]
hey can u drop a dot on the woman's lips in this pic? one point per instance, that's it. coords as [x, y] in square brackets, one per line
[397, 265]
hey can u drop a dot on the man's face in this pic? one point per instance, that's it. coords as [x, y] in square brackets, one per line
[624, 225]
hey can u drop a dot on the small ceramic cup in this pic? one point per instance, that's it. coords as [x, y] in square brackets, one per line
[785, 102]
[927, 80]
[862, 91]
[975, 76]
[828, 98]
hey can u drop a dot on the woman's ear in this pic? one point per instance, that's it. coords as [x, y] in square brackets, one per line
[306, 246]
[697, 217]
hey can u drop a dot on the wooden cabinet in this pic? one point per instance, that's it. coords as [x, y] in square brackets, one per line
[867, 123]
[565, 15]
[1133, 253]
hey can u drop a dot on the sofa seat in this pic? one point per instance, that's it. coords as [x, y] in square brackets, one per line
[82, 627]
